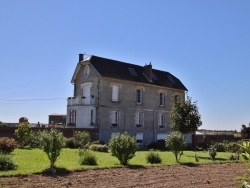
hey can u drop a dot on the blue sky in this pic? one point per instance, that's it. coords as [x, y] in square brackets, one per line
[206, 44]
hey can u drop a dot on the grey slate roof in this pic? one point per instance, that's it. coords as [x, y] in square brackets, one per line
[120, 70]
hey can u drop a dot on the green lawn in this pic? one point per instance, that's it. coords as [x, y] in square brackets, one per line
[35, 160]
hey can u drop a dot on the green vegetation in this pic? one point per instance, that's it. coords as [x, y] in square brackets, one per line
[52, 144]
[153, 157]
[79, 140]
[123, 147]
[6, 162]
[7, 145]
[176, 143]
[185, 116]
[87, 158]
[36, 161]
[22, 133]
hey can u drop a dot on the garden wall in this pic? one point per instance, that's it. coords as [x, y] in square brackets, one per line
[67, 132]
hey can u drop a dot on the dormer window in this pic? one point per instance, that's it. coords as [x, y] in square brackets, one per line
[86, 71]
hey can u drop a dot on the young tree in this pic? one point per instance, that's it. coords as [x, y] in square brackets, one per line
[176, 143]
[23, 132]
[52, 144]
[245, 132]
[185, 116]
[123, 147]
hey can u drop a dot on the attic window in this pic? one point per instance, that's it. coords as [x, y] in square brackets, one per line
[132, 72]
[171, 79]
[154, 77]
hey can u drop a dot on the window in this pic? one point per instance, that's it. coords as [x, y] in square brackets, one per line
[72, 117]
[139, 96]
[177, 98]
[132, 72]
[114, 118]
[161, 99]
[139, 138]
[161, 136]
[92, 117]
[113, 135]
[161, 120]
[138, 119]
[86, 71]
[115, 92]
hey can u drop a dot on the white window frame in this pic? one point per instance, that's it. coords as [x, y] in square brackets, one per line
[72, 116]
[161, 136]
[139, 138]
[113, 135]
[114, 118]
[139, 96]
[162, 99]
[115, 93]
[161, 120]
[138, 119]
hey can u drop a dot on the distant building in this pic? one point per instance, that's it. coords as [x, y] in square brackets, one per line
[57, 119]
[23, 120]
[113, 96]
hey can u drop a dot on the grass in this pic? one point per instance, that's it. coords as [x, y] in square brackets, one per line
[35, 160]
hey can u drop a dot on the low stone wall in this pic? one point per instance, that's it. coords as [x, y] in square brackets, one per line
[67, 132]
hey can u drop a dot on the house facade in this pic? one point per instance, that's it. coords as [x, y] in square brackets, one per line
[114, 96]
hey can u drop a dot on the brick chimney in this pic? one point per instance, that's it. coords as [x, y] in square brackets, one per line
[148, 72]
[81, 56]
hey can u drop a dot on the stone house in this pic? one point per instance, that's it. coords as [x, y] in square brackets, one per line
[113, 96]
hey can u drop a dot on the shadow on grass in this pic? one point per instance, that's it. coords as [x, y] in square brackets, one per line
[56, 172]
[209, 158]
[135, 166]
[190, 164]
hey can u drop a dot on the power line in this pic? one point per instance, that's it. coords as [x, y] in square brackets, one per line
[38, 99]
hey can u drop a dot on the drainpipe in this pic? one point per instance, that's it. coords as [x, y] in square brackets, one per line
[154, 125]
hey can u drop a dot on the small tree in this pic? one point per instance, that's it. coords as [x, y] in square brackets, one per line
[123, 147]
[23, 132]
[176, 143]
[245, 132]
[185, 116]
[52, 144]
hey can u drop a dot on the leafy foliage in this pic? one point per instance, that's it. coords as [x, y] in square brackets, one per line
[22, 133]
[7, 163]
[153, 157]
[185, 116]
[158, 145]
[99, 147]
[212, 152]
[52, 144]
[123, 147]
[87, 158]
[176, 143]
[7, 145]
[245, 132]
[81, 138]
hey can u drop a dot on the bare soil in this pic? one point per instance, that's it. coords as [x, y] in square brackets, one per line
[207, 175]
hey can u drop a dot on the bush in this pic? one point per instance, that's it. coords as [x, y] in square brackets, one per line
[7, 145]
[34, 140]
[52, 144]
[123, 147]
[22, 133]
[153, 157]
[3, 125]
[212, 152]
[98, 147]
[6, 163]
[87, 158]
[158, 145]
[81, 138]
[176, 143]
[70, 142]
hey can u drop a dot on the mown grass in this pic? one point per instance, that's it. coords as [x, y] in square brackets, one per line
[35, 160]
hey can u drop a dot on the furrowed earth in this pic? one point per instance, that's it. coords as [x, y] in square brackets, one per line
[205, 175]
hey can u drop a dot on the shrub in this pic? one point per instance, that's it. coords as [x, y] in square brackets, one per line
[212, 152]
[153, 157]
[6, 163]
[81, 138]
[98, 147]
[70, 142]
[176, 143]
[3, 125]
[7, 145]
[123, 147]
[34, 140]
[52, 144]
[158, 145]
[87, 158]
[22, 133]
